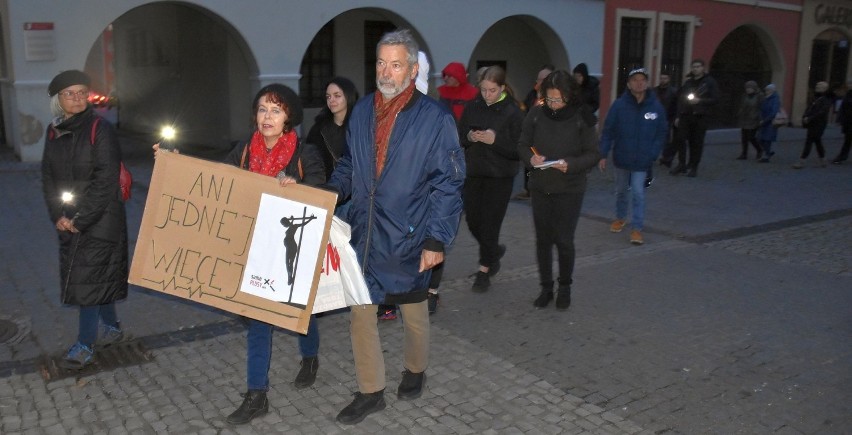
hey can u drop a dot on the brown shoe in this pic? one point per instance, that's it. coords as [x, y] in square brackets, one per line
[636, 237]
[617, 226]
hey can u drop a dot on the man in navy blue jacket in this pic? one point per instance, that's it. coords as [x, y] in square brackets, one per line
[635, 130]
[404, 170]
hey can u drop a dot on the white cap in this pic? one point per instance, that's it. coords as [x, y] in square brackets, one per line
[422, 82]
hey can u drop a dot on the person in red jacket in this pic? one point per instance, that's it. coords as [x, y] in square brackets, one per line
[456, 92]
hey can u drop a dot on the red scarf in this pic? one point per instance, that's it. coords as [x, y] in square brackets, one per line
[271, 162]
[385, 117]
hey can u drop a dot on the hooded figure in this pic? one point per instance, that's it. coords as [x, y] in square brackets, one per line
[457, 91]
[589, 86]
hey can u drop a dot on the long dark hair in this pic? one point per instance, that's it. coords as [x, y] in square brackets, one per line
[349, 92]
[564, 82]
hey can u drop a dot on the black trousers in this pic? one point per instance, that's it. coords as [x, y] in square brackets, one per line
[749, 136]
[814, 138]
[555, 217]
[485, 203]
[691, 128]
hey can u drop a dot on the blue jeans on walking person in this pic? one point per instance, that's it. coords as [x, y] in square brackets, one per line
[87, 333]
[259, 352]
[636, 181]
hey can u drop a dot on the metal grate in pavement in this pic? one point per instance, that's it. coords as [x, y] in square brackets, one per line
[8, 329]
[125, 354]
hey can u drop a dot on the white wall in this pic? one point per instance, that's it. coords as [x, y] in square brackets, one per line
[276, 33]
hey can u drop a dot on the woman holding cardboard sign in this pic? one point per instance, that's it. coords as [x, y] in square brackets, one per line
[275, 150]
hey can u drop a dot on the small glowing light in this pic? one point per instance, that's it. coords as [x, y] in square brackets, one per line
[690, 97]
[168, 132]
[67, 196]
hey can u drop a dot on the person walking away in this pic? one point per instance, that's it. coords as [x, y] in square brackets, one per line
[844, 116]
[695, 99]
[404, 173]
[748, 118]
[635, 130]
[80, 181]
[667, 96]
[815, 120]
[768, 132]
[489, 130]
[561, 133]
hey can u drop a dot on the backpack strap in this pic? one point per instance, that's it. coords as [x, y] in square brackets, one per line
[243, 158]
[94, 129]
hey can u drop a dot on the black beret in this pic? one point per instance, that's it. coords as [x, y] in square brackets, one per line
[67, 78]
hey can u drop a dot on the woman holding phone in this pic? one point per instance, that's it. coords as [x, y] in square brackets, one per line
[489, 129]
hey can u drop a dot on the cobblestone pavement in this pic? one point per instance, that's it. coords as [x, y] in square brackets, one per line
[734, 317]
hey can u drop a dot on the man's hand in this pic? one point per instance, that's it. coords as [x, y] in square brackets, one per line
[430, 259]
[602, 165]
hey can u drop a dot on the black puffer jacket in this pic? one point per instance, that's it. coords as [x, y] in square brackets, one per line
[93, 263]
[499, 159]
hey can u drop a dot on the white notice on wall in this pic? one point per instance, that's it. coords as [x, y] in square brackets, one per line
[39, 42]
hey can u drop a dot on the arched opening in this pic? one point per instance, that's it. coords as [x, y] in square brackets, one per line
[740, 57]
[522, 58]
[346, 46]
[829, 59]
[178, 64]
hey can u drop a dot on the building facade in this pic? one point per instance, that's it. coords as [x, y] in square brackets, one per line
[197, 63]
[739, 40]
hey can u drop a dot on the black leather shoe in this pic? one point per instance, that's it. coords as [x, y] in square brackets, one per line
[361, 407]
[411, 386]
[254, 404]
[308, 373]
[481, 283]
[543, 298]
[692, 173]
[563, 298]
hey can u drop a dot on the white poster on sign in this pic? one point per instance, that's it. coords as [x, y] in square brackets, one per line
[286, 233]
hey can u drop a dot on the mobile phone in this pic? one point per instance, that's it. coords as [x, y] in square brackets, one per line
[476, 128]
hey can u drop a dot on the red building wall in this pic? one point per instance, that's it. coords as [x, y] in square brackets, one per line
[716, 19]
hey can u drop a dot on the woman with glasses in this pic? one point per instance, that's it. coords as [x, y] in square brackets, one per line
[80, 180]
[558, 142]
[489, 129]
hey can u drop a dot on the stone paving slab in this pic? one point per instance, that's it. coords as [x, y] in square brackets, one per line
[191, 388]
[732, 318]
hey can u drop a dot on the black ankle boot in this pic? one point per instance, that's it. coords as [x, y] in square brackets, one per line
[361, 407]
[563, 298]
[254, 405]
[543, 298]
[308, 373]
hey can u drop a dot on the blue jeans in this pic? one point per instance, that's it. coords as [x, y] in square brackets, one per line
[636, 180]
[259, 352]
[87, 333]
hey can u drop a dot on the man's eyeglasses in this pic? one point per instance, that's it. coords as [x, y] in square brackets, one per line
[70, 95]
[554, 100]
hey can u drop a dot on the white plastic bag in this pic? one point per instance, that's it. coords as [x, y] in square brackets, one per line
[341, 282]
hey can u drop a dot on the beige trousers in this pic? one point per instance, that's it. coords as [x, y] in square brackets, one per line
[367, 346]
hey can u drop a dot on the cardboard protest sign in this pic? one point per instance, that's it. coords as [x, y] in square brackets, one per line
[228, 238]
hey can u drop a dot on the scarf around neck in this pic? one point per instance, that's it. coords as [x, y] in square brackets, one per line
[385, 118]
[271, 162]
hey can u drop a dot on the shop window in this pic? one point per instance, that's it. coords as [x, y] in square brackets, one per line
[317, 67]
